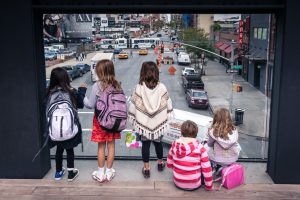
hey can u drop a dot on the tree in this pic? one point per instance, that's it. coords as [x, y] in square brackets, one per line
[158, 24]
[216, 27]
[198, 38]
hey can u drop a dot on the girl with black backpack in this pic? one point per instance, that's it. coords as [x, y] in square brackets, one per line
[63, 123]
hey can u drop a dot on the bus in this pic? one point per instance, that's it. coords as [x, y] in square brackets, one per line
[95, 60]
[121, 43]
[138, 43]
[107, 43]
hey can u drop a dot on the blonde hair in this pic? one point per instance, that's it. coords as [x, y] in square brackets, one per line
[106, 73]
[222, 124]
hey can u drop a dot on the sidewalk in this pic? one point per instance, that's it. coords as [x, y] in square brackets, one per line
[218, 85]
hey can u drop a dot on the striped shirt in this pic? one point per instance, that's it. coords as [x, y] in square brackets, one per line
[187, 157]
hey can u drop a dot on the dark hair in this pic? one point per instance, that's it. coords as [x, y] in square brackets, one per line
[189, 129]
[149, 74]
[106, 73]
[59, 78]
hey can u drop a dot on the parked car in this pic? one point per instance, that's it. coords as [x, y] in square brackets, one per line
[197, 98]
[72, 71]
[192, 81]
[143, 51]
[117, 51]
[188, 70]
[50, 56]
[84, 68]
[158, 35]
[183, 59]
[123, 55]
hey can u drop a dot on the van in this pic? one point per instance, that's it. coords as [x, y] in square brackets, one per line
[183, 59]
[173, 131]
[58, 46]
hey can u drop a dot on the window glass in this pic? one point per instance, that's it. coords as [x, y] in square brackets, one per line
[255, 33]
[264, 33]
[259, 33]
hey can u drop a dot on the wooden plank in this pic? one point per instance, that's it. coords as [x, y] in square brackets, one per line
[16, 190]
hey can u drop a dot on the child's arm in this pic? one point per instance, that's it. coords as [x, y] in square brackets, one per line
[170, 158]
[90, 101]
[210, 141]
[206, 170]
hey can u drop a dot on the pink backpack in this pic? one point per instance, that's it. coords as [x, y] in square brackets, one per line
[232, 176]
[111, 110]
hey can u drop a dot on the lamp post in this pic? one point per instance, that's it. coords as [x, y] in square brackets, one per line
[232, 76]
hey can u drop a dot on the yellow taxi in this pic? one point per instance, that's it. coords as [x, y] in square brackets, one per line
[143, 51]
[123, 55]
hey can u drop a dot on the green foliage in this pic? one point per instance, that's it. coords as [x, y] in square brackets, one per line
[158, 24]
[216, 27]
[198, 38]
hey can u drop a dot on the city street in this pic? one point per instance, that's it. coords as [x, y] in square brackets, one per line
[127, 71]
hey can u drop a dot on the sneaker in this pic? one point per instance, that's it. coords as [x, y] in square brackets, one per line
[146, 172]
[110, 174]
[72, 174]
[60, 174]
[98, 178]
[161, 166]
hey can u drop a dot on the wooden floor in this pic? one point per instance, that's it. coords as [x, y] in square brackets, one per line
[152, 190]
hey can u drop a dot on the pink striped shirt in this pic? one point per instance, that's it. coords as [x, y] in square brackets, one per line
[187, 157]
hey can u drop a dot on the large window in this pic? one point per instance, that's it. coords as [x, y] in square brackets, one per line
[223, 87]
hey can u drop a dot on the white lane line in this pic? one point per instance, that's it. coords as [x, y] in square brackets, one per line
[83, 112]
[86, 129]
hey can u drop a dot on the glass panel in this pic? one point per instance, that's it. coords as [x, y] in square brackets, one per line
[242, 83]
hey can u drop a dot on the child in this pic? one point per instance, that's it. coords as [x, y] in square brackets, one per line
[149, 110]
[223, 140]
[60, 82]
[188, 159]
[106, 73]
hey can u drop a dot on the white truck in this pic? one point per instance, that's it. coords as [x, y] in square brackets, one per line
[188, 70]
[174, 124]
[183, 59]
[95, 60]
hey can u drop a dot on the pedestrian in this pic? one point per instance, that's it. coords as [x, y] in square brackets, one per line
[183, 154]
[77, 57]
[149, 110]
[222, 141]
[81, 56]
[105, 138]
[131, 53]
[62, 135]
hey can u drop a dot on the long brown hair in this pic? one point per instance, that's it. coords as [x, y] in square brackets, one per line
[222, 124]
[149, 74]
[106, 73]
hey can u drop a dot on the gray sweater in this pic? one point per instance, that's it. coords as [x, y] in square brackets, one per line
[90, 101]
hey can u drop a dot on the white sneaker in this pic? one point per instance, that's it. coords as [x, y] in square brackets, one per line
[98, 178]
[110, 174]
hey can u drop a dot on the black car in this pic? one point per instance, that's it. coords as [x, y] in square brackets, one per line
[197, 98]
[73, 71]
[117, 50]
[84, 68]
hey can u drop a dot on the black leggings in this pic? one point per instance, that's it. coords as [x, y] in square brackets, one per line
[146, 148]
[59, 158]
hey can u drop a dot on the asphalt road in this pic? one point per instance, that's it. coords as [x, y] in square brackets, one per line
[127, 71]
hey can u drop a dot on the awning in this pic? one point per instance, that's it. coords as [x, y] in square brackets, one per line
[256, 54]
[219, 43]
[223, 46]
[228, 49]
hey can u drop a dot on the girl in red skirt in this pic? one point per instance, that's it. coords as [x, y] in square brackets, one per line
[106, 73]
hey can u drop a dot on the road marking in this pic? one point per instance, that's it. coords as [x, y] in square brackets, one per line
[84, 112]
[86, 129]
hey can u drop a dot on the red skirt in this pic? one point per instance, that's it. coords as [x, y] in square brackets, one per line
[100, 135]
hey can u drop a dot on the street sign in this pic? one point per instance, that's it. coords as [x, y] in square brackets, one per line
[237, 67]
[232, 71]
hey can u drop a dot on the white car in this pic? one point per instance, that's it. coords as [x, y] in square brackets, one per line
[188, 70]
[183, 59]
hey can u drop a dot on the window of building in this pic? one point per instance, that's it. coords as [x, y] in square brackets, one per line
[255, 33]
[264, 33]
[259, 33]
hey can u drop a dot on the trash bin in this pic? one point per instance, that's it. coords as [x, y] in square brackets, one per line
[239, 114]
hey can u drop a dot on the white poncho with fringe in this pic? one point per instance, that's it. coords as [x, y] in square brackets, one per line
[149, 110]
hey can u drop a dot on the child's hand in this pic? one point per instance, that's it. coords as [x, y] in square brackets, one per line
[83, 85]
